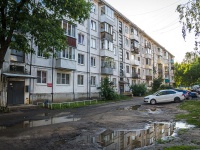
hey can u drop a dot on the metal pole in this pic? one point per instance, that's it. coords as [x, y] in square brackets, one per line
[52, 76]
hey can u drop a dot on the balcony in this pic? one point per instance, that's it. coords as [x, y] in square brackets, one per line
[148, 55]
[106, 71]
[172, 61]
[135, 49]
[106, 53]
[147, 45]
[135, 75]
[106, 36]
[71, 41]
[63, 63]
[160, 71]
[135, 62]
[160, 61]
[148, 67]
[107, 19]
[134, 37]
[148, 77]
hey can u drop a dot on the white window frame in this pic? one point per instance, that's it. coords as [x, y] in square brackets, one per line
[80, 79]
[93, 8]
[81, 59]
[63, 77]
[40, 54]
[93, 61]
[72, 31]
[93, 81]
[68, 53]
[42, 77]
[126, 29]
[81, 38]
[105, 44]
[93, 43]
[127, 69]
[93, 25]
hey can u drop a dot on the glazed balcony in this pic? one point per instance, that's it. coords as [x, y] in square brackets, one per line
[134, 37]
[106, 70]
[135, 75]
[107, 19]
[106, 36]
[63, 63]
[135, 62]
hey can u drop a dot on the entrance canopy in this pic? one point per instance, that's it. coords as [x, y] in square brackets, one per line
[12, 75]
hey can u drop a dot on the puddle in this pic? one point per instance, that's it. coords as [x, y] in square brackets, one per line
[135, 107]
[131, 139]
[154, 111]
[42, 122]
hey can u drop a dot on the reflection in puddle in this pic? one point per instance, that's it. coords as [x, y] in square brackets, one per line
[37, 123]
[130, 139]
[135, 107]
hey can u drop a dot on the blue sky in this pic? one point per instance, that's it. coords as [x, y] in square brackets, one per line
[159, 19]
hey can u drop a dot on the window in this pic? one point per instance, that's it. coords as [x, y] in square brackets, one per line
[93, 25]
[126, 29]
[93, 43]
[80, 38]
[114, 80]
[17, 56]
[93, 61]
[135, 32]
[105, 27]
[69, 29]
[127, 55]
[105, 10]
[81, 59]
[120, 27]
[127, 69]
[69, 53]
[62, 78]
[114, 36]
[148, 61]
[80, 79]
[40, 53]
[93, 8]
[105, 44]
[93, 80]
[114, 49]
[127, 43]
[41, 77]
[134, 44]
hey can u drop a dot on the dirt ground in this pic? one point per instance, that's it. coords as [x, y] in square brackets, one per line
[91, 127]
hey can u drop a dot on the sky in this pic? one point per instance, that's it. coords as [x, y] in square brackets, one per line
[159, 19]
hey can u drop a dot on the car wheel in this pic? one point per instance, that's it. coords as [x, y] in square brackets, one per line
[153, 102]
[177, 99]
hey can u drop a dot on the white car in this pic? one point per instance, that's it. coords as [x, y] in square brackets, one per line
[164, 96]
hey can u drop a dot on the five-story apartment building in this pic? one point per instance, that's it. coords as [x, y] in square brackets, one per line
[106, 44]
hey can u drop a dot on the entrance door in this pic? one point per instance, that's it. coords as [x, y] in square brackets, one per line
[15, 93]
[121, 89]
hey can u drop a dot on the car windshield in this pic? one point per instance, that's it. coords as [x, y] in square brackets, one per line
[155, 93]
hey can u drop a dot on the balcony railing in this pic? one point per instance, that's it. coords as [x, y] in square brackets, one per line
[148, 77]
[135, 75]
[107, 19]
[106, 70]
[135, 62]
[66, 64]
[134, 37]
[135, 49]
[107, 36]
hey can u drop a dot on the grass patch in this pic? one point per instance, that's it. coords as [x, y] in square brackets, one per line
[86, 103]
[193, 115]
[182, 147]
[182, 131]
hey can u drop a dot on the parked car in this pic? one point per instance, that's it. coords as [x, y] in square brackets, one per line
[188, 94]
[168, 95]
[196, 88]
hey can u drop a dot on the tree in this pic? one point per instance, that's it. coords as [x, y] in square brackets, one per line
[189, 16]
[156, 84]
[22, 21]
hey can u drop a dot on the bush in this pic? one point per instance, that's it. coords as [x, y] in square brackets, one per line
[107, 91]
[138, 89]
[162, 87]
[156, 84]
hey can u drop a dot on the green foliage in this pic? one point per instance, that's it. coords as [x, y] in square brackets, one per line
[107, 90]
[23, 21]
[193, 115]
[162, 87]
[156, 84]
[182, 147]
[138, 89]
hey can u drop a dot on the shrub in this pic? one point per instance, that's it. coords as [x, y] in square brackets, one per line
[138, 89]
[156, 84]
[107, 91]
[165, 87]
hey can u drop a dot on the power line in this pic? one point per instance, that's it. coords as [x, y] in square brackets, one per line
[170, 29]
[155, 10]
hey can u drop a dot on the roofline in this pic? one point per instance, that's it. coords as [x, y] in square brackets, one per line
[133, 24]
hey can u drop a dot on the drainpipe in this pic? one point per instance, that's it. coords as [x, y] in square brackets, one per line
[30, 70]
[73, 87]
[52, 76]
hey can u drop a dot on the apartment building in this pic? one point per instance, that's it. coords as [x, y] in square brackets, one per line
[106, 44]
